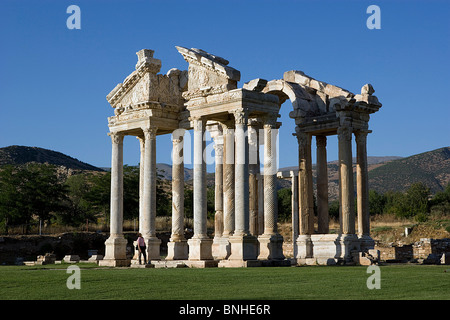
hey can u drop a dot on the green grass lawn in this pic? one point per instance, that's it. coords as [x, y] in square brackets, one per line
[283, 283]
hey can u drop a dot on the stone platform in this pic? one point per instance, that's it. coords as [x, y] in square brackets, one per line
[213, 264]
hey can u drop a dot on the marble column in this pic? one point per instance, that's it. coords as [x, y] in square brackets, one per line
[271, 242]
[149, 214]
[346, 197]
[305, 197]
[115, 245]
[228, 189]
[362, 185]
[141, 139]
[322, 185]
[295, 206]
[260, 182]
[218, 190]
[243, 245]
[253, 174]
[199, 244]
[218, 250]
[177, 248]
[141, 180]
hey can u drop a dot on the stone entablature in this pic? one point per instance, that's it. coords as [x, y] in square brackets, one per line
[206, 97]
[208, 74]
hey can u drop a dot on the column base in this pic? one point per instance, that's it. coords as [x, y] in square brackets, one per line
[239, 263]
[115, 252]
[177, 250]
[200, 249]
[366, 242]
[271, 247]
[243, 247]
[221, 248]
[153, 248]
[303, 247]
[327, 249]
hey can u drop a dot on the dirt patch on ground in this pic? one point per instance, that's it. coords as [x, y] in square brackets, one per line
[389, 232]
[400, 236]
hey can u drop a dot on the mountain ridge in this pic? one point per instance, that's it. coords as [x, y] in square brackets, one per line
[17, 155]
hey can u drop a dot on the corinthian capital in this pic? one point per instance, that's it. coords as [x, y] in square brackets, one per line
[361, 136]
[303, 138]
[198, 123]
[345, 133]
[240, 116]
[150, 132]
[321, 141]
[116, 137]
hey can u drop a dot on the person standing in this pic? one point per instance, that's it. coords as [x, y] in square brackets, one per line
[141, 247]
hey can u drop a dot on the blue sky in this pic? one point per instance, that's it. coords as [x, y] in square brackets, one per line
[53, 81]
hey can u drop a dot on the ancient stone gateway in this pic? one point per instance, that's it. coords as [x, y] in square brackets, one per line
[206, 97]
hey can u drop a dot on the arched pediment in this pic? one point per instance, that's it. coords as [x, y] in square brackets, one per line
[303, 103]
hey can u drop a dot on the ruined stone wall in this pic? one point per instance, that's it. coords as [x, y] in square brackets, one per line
[426, 249]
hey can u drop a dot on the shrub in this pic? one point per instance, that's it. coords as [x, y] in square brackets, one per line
[421, 217]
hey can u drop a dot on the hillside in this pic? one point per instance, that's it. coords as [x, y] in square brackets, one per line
[385, 173]
[432, 168]
[17, 155]
[394, 173]
[165, 171]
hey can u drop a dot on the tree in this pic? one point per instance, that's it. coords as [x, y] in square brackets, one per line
[408, 204]
[11, 203]
[333, 209]
[188, 203]
[30, 191]
[377, 202]
[79, 208]
[163, 198]
[130, 192]
[99, 194]
[417, 198]
[284, 204]
[441, 199]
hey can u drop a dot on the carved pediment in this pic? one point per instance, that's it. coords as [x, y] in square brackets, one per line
[144, 85]
[208, 74]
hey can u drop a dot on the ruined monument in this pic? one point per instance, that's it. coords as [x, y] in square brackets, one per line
[206, 97]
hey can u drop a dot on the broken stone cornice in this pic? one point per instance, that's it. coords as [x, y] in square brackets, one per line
[209, 61]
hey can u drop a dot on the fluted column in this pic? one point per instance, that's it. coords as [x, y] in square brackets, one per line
[141, 180]
[199, 244]
[305, 197]
[116, 226]
[218, 190]
[219, 246]
[253, 174]
[241, 182]
[271, 242]
[141, 139]
[270, 178]
[294, 205]
[305, 186]
[199, 175]
[115, 245]
[362, 183]
[243, 245]
[177, 246]
[260, 183]
[347, 213]
[228, 179]
[322, 184]
[222, 246]
[149, 214]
